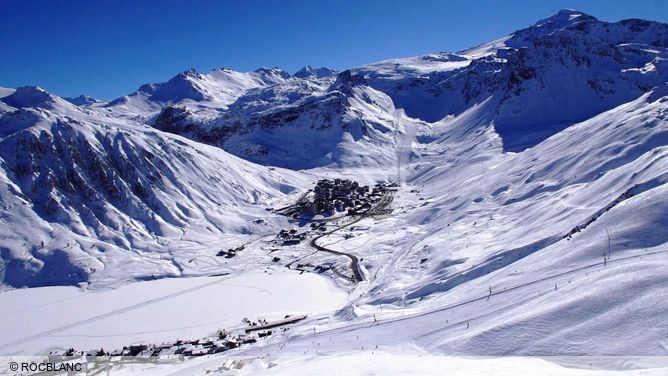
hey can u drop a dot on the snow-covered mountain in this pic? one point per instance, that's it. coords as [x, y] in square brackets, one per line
[534, 83]
[312, 72]
[85, 193]
[208, 92]
[82, 100]
[3, 93]
[531, 219]
[31, 96]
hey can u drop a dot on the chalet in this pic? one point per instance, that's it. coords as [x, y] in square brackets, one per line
[264, 334]
[199, 351]
[207, 341]
[95, 352]
[294, 239]
[146, 354]
[134, 350]
[170, 351]
[169, 355]
[323, 268]
[165, 345]
[218, 347]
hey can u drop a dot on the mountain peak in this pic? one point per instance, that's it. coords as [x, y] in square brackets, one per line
[310, 71]
[184, 85]
[82, 100]
[562, 19]
[192, 72]
[30, 96]
[273, 71]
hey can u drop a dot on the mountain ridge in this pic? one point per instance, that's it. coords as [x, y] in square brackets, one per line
[531, 175]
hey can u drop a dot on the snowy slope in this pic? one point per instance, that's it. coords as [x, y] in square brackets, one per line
[532, 218]
[476, 220]
[490, 220]
[83, 194]
[558, 250]
[535, 82]
[82, 100]
[299, 124]
[207, 92]
[539, 80]
[313, 72]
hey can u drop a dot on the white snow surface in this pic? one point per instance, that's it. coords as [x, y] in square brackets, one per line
[531, 219]
[136, 313]
[393, 363]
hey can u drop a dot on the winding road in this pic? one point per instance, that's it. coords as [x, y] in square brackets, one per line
[403, 158]
[357, 276]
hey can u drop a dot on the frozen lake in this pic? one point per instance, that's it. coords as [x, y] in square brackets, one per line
[35, 321]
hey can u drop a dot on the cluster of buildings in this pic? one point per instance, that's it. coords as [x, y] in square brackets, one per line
[290, 237]
[293, 236]
[197, 347]
[337, 195]
[230, 252]
[334, 195]
[223, 341]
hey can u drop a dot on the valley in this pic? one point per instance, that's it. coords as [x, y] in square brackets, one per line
[508, 200]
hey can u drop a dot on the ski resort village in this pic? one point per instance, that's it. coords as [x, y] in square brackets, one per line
[495, 210]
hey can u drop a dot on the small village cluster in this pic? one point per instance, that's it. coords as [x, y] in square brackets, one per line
[230, 252]
[223, 341]
[290, 237]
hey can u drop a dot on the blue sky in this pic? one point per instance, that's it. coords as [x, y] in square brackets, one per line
[109, 48]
